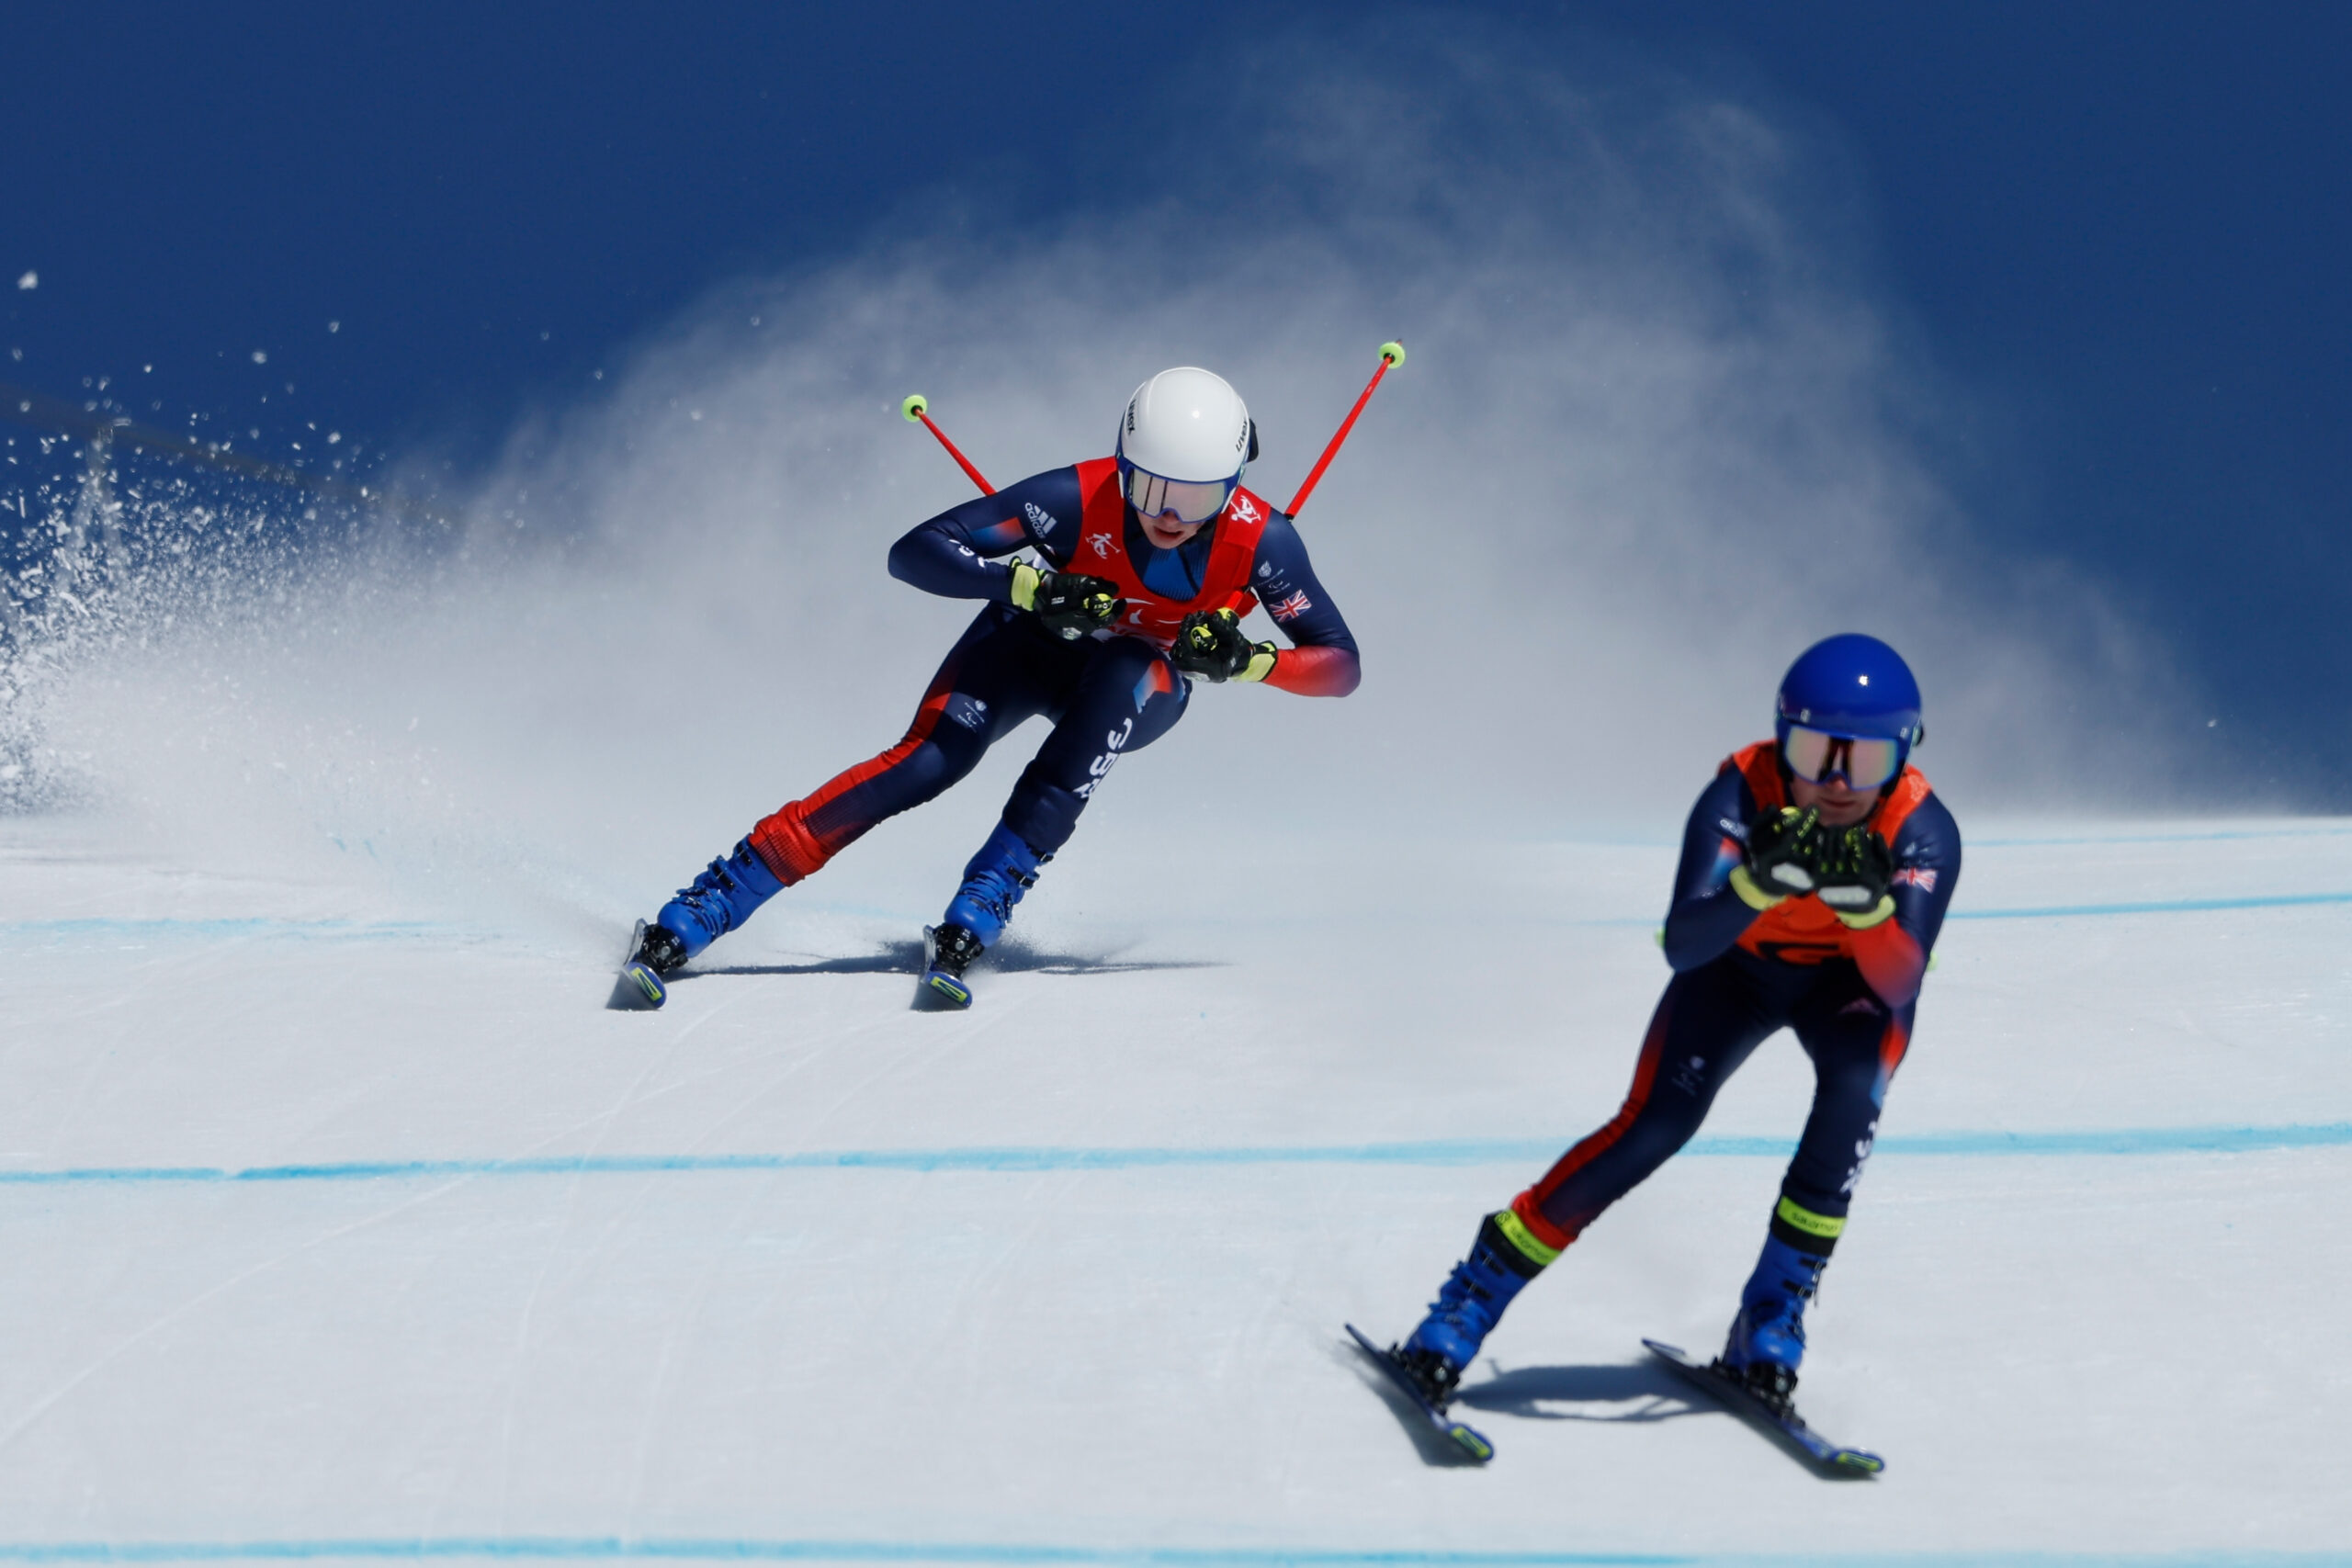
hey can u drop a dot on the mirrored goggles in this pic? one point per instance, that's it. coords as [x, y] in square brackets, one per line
[1864, 761]
[1192, 502]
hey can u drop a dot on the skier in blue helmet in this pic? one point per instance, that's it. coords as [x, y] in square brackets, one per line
[1815, 874]
[1849, 690]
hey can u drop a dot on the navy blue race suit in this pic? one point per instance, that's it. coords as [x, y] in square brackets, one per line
[1741, 973]
[1106, 695]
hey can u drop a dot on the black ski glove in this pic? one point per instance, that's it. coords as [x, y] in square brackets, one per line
[1780, 847]
[1210, 643]
[1853, 869]
[1070, 603]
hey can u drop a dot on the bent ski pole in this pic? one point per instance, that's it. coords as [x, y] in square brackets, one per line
[1391, 354]
[917, 408]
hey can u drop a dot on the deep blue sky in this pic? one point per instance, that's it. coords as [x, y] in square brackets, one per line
[2124, 228]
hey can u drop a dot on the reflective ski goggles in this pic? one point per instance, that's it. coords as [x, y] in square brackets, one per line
[1864, 761]
[1192, 502]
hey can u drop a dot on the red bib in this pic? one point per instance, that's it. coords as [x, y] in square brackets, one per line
[1103, 552]
[1805, 930]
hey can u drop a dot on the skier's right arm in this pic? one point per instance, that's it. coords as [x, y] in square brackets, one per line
[953, 554]
[1709, 912]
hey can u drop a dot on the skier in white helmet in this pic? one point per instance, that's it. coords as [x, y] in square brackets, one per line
[1150, 559]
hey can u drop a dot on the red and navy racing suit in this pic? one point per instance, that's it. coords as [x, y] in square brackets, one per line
[1107, 695]
[1739, 974]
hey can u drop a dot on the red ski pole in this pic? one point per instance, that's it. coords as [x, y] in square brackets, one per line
[1391, 354]
[917, 408]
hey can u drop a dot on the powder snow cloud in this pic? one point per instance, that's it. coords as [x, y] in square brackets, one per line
[1660, 430]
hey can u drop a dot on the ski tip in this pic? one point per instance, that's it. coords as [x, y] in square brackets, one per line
[1470, 1442]
[956, 993]
[1469, 1439]
[638, 989]
[1827, 1458]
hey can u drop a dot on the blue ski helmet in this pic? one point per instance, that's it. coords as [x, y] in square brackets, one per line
[1853, 687]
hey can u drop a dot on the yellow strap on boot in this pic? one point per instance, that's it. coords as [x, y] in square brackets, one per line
[1530, 1248]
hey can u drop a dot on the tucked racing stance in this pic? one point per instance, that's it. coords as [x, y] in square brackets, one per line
[1152, 557]
[1815, 874]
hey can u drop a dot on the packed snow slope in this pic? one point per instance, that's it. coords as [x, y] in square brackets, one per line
[338, 1218]
[339, 1222]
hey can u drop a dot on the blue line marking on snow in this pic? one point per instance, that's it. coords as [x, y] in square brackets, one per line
[2154, 907]
[2161, 838]
[704, 1549]
[2125, 1141]
[393, 931]
[2065, 911]
[1674, 841]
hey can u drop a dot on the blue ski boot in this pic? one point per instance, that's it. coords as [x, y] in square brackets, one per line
[1469, 1305]
[714, 903]
[994, 880]
[1766, 1339]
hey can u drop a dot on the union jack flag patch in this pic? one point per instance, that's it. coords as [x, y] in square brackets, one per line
[1290, 609]
[1922, 877]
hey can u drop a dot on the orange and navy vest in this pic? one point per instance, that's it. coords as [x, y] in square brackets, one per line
[1805, 930]
[1102, 552]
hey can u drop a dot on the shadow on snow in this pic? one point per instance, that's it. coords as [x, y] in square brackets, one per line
[1649, 1392]
[1646, 1391]
[906, 958]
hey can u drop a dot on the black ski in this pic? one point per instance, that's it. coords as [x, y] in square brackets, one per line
[1467, 1438]
[1733, 1396]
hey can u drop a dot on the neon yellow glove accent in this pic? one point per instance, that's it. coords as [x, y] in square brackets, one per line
[1754, 897]
[1534, 1251]
[1261, 665]
[1871, 917]
[1025, 579]
[1828, 1227]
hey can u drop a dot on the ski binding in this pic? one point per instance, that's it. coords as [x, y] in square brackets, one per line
[947, 986]
[637, 989]
[1466, 1438]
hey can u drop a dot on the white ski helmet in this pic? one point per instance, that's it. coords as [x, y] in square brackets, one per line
[1185, 441]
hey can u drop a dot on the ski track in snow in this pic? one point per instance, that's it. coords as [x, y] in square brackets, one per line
[341, 1225]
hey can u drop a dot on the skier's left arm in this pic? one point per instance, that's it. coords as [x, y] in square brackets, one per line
[1322, 660]
[955, 554]
[1892, 941]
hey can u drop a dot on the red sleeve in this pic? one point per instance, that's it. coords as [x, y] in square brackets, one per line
[1891, 961]
[1325, 672]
